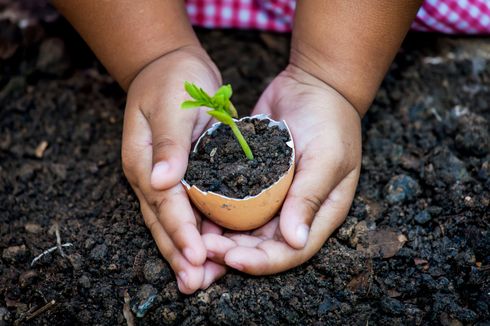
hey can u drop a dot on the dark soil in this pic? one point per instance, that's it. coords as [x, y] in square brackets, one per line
[415, 248]
[219, 164]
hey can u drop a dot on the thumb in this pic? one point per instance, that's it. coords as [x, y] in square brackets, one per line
[314, 179]
[171, 143]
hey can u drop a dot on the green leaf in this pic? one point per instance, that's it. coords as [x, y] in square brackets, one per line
[219, 102]
[224, 91]
[190, 104]
[231, 110]
[193, 90]
[204, 96]
[221, 117]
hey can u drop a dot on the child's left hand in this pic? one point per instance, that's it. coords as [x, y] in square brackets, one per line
[327, 135]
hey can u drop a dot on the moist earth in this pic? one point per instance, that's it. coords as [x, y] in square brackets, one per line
[415, 247]
[220, 165]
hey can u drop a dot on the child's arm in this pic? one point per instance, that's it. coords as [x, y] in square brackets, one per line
[149, 47]
[349, 45]
[340, 53]
[126, 35]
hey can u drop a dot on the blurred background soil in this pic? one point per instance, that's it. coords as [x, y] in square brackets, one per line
[415, 248]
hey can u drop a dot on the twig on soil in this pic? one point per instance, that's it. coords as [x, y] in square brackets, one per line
[39, 311]
[58, 239]
[32, 314]
[42, 295]
[128, 315]
[441, 226]
[434, 112]
[45, 252]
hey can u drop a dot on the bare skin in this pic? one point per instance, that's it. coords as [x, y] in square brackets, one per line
[340, 53]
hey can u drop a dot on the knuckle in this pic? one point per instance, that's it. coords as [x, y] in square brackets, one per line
[159, 205]
[162, 142]
[311, 202]
[151, 225]
[178, 231]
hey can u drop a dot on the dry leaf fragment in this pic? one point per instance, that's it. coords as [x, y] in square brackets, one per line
[127, 313]
[359, 282]
[382, 242]
[392, 293]
[419, 261]
[39, 152]
[422, 263]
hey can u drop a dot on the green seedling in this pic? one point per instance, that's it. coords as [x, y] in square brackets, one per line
[222, 109]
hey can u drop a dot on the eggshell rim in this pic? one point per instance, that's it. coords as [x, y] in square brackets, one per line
[281, 124]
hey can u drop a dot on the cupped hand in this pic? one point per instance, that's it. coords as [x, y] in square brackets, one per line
[327, 136]
[157, 138]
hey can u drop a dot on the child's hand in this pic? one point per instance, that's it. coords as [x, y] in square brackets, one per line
[157, 139]
[327, 135]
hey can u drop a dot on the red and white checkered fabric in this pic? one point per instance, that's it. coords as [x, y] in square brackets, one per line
[443, 16]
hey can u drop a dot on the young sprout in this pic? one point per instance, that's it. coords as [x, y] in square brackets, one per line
[222, 109]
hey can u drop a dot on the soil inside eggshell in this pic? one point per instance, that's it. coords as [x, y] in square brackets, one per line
[219, 164]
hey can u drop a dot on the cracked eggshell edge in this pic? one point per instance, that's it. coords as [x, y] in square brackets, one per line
[250, 212]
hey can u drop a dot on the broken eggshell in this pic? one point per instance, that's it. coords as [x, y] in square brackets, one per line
[250, 212]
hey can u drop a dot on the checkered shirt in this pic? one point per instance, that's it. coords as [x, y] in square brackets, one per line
[442, 16]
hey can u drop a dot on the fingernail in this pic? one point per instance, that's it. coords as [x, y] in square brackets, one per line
[235, 265]
[183, 278]
[205, 283]
[160, 170]
[302, 234]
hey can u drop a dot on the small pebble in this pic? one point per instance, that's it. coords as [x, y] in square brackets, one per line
[84, 281]
[76, 261]
[14, 252]
[89, 243]
[423, 217]
[99, 252]
[169, 316]
[144, 300]
[401, 188]
[154, 270]
[392, 306]
[33, 228]
[27, 278]
[4, 314]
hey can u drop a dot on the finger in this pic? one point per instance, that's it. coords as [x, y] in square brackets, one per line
[136, 151]
[171, 206]
[212, 272]
[269, 231]
[189, 277]
[173, 131]
[209, 227]
[171, 144]
[270, 256]
[318, 172]
[217, 246]
[177, 217]
[267, 258]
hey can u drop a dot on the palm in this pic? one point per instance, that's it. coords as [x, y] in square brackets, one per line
[326, 132]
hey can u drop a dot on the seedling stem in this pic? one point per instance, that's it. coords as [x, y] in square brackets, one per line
[222, 109]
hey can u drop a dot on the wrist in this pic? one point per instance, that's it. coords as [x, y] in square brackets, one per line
[185, 56]
[305, 77]
[128, 35]
[334, 74]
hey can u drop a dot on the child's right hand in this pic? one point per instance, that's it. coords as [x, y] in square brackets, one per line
[157, 138]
